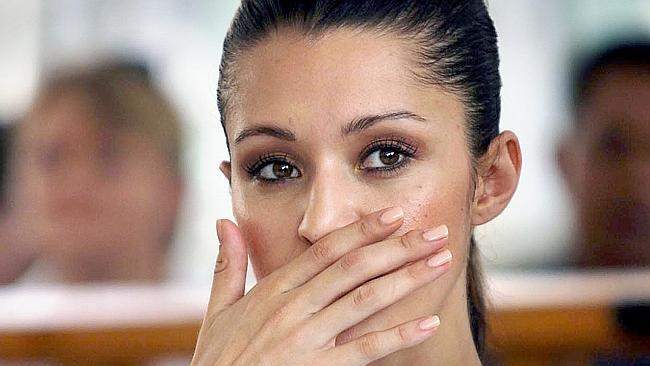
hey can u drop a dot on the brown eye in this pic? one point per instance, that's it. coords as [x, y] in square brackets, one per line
[278, 170]
[282, 170]
[388, 157]
[383, 158]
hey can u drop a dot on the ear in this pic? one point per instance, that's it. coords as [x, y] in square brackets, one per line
[498, 175]
[225, 168]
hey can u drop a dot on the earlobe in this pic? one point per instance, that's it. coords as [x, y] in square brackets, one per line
[225, 168]
[499, 172]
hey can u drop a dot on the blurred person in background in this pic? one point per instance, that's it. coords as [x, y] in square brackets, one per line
[606, 158]
[97, 177]
[13, 258]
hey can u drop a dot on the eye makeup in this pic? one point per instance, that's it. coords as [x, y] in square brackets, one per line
[392, 142]
[383, 156]
[283, 160]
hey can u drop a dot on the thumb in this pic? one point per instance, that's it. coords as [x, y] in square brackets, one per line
[230, 271]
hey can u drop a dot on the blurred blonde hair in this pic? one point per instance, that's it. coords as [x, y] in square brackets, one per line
[123, 97]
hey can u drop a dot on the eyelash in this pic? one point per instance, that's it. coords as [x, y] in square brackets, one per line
[253, 169]
[398, 144]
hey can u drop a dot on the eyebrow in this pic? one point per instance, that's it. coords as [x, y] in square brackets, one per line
[361, 123]
[273, 131]
[356, 125]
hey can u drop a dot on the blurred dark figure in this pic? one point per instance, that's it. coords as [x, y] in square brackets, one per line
[97, 177]
[14, 258]
[606, 158]
[5, 239]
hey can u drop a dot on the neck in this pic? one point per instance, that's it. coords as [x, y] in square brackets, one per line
[450, 344]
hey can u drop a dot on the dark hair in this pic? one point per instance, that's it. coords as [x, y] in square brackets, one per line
[454, 47]
[629, 54]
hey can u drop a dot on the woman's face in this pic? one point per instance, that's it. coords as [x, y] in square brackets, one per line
[323, 132]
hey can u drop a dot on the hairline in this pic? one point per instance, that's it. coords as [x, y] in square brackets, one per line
[419, 77]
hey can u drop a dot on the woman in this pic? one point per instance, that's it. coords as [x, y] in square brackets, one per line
[364, 147]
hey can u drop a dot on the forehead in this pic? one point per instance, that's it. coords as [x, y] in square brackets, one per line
[333, 78]
[65, 114]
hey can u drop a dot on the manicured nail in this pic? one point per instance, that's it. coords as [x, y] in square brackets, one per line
[391, 215]
[436, 234]
[429, 323]
[439, 258]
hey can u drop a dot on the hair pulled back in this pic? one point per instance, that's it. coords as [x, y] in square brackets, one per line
[454, 45]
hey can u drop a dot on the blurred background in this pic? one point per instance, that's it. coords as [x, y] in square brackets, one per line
[179, 42]
[165, 54]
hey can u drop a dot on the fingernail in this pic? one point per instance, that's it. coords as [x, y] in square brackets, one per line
[391, 215]
[436, 234]
[439, 258]
[429, 323]
[219, 231]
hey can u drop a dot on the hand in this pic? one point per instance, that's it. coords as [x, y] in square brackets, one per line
[294, 315]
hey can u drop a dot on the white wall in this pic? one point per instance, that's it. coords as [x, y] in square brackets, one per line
[19, 60]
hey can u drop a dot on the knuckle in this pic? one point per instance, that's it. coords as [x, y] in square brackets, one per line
[351, 260]
[365, 295]
[369, 345]
[279, 315]
[403, 335]
[297, 336]
[322, 253]
[222, 264]
[366, 228]
[408, 241]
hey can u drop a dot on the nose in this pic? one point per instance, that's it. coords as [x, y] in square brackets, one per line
[74, 180]
[80, 175]
[332, 204]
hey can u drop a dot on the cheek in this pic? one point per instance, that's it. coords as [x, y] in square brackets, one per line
[427, 206]
[437, 192]
[429, 202]
[269, 230]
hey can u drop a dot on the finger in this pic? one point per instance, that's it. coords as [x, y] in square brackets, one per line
[365, 263]
[230, 271]
[369, 229]
[375, 345]
[377, 294]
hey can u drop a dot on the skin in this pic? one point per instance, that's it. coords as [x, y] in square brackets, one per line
[94, 202]
[606, 163]
[314, 88]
